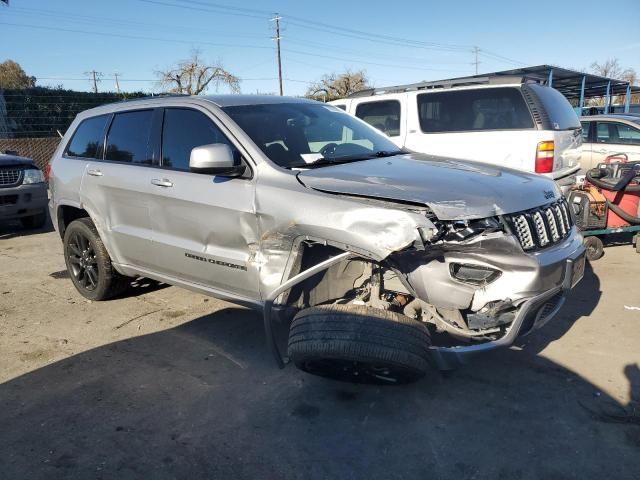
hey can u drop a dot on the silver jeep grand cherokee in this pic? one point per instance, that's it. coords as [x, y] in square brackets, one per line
[376, 260]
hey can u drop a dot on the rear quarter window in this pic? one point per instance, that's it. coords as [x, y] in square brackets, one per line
[87, 137]
[473, 110]
[561, 114]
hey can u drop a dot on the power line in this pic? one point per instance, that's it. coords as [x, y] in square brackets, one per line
[114, 22]
[135, 37]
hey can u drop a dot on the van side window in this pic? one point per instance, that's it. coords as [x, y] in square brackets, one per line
[340, 106]
[383, 115]
[129, 138]
[184, 129]
[472, 110]
[87, 137]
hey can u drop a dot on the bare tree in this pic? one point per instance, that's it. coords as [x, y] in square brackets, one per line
[334, 86]
[611, 68]
[193, 76]
[13, 76]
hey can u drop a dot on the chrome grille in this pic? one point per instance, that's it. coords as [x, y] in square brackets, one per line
[541, 227]
[10, 176]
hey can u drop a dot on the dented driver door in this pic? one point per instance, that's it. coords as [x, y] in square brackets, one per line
[203, 226]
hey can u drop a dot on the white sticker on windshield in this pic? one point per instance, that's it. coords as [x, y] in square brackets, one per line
[311, 157]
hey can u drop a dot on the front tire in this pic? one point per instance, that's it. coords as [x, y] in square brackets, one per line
[359, 344]
[88, 262]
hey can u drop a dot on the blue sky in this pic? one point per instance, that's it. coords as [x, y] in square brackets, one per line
[57, 41]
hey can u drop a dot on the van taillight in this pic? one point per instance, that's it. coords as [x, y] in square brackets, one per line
[47, 171]
[544, 157]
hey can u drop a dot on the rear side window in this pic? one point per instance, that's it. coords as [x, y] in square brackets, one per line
[87, 137]
[612, 132]
[560, 112]
[473, 110]
[129, 138]
[383, 115]
[184, 129]
[628, 135]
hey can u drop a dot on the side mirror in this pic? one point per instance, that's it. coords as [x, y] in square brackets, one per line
[215, 159]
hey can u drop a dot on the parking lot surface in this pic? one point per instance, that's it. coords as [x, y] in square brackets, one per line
[165, 383]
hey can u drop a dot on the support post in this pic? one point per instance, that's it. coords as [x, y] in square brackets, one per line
[550, 79]
[584, 79]
[627, 99]
[607, 98]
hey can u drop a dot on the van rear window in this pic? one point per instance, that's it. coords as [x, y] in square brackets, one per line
[473, 110]
[559, 110]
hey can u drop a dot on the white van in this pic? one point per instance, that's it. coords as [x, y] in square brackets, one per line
[519, 124]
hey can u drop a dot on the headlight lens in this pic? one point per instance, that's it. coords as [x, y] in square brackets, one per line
[474, 274]
[32, 175]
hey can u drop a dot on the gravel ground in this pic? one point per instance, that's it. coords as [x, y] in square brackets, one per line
[165, 383]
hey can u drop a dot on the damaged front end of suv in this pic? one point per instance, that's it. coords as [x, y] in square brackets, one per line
[475, 272]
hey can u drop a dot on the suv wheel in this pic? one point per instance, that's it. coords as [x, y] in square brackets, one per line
[359, 344]
[88, 262]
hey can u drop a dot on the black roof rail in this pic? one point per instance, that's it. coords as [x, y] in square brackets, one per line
[454, 82]
[148, 97]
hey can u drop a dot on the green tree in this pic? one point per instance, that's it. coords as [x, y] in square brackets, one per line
[13, 76]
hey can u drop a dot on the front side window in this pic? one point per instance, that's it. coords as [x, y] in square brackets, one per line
[473, 110]
[301, 134]
[184, 129]
[602, 133]
[129, 138]
[88, 137]
[383, 115]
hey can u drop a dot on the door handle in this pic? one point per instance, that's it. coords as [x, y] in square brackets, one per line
[600, 151]
[162, 182]
[94, 172]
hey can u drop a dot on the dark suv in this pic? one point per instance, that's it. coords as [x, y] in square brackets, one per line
[23, 191]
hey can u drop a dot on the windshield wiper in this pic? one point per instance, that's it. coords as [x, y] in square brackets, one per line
[347, 158]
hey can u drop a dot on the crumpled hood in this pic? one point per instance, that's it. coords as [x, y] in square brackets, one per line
[453, 189]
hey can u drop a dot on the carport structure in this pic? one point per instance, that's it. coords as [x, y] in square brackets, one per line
[574, 85]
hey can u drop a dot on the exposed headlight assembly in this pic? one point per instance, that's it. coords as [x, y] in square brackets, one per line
[32, 175]
[473, 274]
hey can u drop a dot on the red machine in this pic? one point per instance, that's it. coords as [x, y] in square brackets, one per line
[608, 202]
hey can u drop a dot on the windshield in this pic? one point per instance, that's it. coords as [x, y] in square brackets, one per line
[302, 134]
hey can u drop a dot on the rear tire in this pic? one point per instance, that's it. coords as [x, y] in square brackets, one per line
[594, 248]
[34, 221]
[89, 264]
[359, 344]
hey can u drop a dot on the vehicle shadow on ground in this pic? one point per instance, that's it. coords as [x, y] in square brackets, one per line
[581, 302]
[12, 229]
[205, 400]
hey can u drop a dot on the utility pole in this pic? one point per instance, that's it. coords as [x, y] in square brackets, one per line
[277, 19]
[116, 75]
[477, 62]
[95, 79]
